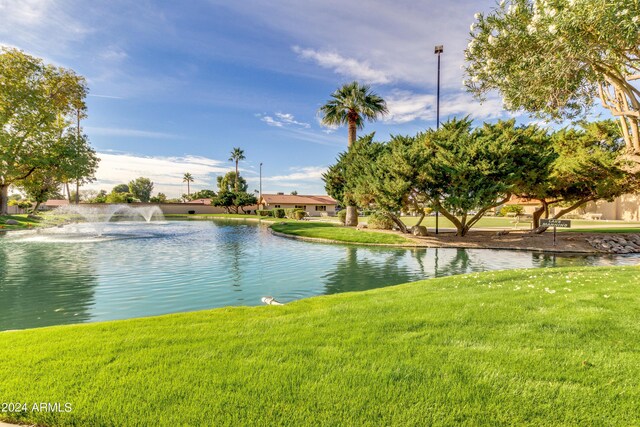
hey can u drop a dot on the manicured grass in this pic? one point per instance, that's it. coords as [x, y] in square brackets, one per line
[323, 230]
[545, 347]
[24, 222]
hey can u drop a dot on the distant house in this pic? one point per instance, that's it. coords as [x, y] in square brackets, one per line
[199, 202]
[313, 205]
[625, 208]
[54, 203]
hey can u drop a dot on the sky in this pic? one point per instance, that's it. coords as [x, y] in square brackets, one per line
[175, 86]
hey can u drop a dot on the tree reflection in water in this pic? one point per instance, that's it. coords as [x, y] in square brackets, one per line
[46, 296]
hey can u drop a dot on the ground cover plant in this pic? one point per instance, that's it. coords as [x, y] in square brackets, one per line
[531, 347]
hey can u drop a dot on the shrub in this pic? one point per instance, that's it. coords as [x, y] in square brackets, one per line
[379, 221]
[295, 213]
[517, 209]
[277, 213]
[264, 212]
[342, 215]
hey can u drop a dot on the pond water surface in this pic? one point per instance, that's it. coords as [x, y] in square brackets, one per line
[137, 269]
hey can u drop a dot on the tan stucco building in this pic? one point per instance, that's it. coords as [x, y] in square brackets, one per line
[623, 208]
[313, 205]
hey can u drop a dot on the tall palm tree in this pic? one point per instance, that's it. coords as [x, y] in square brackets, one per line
[237, 154]
[351, 105]
[188, 178]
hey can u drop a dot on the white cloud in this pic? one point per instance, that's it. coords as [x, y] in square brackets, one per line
[348, 67]
[282, 120]
[165, 172]
[303, 179]
[129, 133]
[406, 106]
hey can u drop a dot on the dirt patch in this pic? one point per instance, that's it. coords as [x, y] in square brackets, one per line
[516, 240]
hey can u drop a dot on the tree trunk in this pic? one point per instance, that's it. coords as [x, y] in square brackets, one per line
[420, 220]
[4, 199]
[77, 191]
[237, 178]
[351, 219]
[35, 208]
[565, 211]
[188, 190]
[352, 132]
[66, 184]
[536, 217]
[397, 221]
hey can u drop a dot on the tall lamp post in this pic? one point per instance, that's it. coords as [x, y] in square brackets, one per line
[438, 50]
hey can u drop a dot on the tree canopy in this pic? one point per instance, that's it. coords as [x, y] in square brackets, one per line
[141, 188]
[553, 58]
[38, 105]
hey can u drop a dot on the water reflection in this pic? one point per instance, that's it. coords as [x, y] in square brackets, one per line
[40, 286]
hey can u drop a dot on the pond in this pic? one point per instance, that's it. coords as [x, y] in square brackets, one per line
[136, 269]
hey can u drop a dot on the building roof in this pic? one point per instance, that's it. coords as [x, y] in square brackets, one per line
[514, 200]
[56, 202]
[290, 199]
[199, 202]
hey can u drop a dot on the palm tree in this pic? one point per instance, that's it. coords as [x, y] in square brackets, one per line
[237, 154]
[351, 105]
[188, 178]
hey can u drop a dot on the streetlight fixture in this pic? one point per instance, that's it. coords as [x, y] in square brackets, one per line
[438, 50]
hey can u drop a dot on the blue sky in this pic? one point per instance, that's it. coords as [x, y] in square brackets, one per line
[174, 86]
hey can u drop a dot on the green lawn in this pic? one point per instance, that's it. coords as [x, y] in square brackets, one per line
[336, 232]
[24, 222]
[545, 347]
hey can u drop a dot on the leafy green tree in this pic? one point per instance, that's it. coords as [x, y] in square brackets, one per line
[587, 165]
[553, 58]
[232, 182]
[351, 105]
[188, 178]
[203, 194]
[117, 197]
[160, 198]
[69, 157]
[37, 104]
[236, 155]
[141, 188]
[120, 188]
[230, 199]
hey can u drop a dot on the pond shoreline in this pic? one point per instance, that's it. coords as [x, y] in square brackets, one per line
[575, 243]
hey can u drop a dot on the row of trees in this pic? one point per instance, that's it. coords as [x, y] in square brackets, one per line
[464, 172]
[41, 142]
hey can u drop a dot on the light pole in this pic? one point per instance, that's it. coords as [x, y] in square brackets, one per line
[438, 50]
[260, 199]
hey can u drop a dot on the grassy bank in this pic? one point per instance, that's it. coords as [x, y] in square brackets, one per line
[24, 223]
[532, 347]
[323, 230]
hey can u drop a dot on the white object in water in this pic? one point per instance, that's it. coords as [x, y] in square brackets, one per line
[271, 301]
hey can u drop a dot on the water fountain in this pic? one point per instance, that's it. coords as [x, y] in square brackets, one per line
[93, 219]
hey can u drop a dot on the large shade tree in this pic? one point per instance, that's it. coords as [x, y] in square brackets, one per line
[553, 58]
[352, 105]
[38, 105]
[587, 164]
